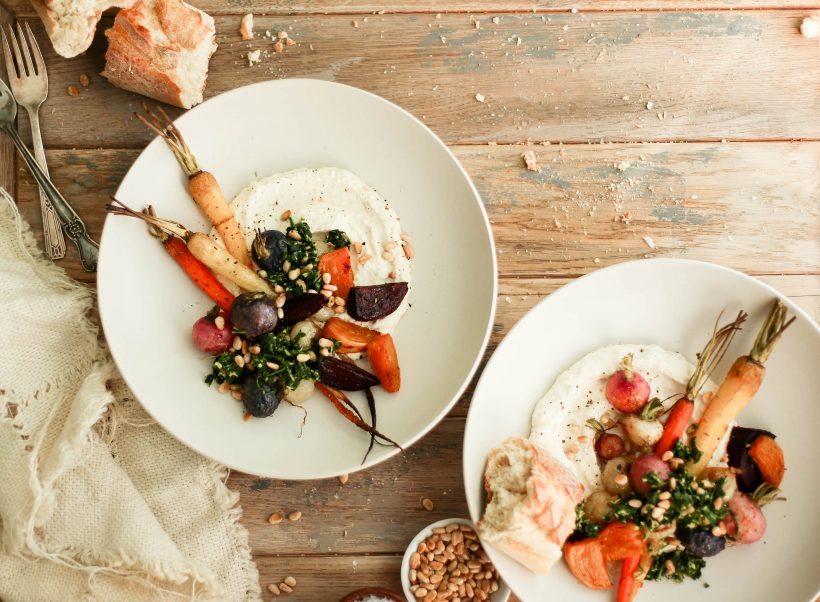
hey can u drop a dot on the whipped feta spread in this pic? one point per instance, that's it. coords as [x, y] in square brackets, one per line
[579, 393]
[330, 198]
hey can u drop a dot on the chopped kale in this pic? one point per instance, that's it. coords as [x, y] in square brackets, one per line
[686, 566]
[225, 369]
[300, 255]
[337, 239]
[687, 453]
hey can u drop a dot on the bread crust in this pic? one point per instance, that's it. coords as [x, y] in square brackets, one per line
[72, 34]
[541, 520]
[149, 60]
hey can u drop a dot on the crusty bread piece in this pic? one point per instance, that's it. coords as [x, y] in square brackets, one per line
[161, 48]
[531, 499]
[71, 23]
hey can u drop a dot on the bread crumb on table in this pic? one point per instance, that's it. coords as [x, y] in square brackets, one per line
[649, 242]
[531, 161]
[84, 80]
[810, 27]
[72, 90]
[254, 56]
[480, 97]
[246, 27]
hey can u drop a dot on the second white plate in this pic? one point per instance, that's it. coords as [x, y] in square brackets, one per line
[672, 303]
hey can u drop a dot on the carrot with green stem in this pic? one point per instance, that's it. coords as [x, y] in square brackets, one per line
[202, 185]
[741, 383]
[708, 359]
[197, 271]
[203, 248]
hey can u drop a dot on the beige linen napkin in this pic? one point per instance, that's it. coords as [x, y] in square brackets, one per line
[97, 502]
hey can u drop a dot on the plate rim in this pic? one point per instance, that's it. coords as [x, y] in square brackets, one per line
[471, 415]
[476, 197]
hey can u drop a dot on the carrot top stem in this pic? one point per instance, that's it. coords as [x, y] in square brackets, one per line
[770, 332]
[713, 353]
[117, 207]
[163, 126]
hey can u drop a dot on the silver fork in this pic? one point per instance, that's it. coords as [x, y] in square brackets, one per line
[29, 82]
[74, 227]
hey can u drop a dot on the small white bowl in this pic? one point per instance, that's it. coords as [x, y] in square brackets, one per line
[501, 595]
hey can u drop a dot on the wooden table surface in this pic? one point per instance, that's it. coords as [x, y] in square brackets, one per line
[697, 127]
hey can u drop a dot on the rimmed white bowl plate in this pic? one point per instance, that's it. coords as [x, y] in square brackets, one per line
[148, 305]
[673, 303]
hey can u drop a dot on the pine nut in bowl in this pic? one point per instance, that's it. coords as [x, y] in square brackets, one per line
[426, 577]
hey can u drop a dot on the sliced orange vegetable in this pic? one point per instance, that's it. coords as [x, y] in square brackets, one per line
[337, 264]
[385, 362]
[679, 417]
[354, 338]
[621, 540]
[585, 559]
[628, 586]
[768, 456]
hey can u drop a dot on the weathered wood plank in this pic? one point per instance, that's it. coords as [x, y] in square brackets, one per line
[391, 491]
[8, 154]
[753, 207]
[574, 77]
[329, 578]
[275, 7]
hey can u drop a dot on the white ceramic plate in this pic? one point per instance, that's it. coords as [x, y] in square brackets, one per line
[147, 304]
[673, 303]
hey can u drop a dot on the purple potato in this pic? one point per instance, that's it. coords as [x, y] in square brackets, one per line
[254, 314]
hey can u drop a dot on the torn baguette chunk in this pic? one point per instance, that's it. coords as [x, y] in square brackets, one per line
[531, 499]
[161, 49]
[70, 24]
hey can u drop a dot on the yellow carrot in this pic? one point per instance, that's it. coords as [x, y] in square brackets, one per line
[737, 389]
[203, 248]
[202, 185]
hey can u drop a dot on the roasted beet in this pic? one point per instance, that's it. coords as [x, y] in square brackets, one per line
[345, 376]
[748, 476]
[301, 308]
[365, 303]
[254, 314]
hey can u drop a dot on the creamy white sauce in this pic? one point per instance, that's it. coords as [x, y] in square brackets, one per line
[579, 393]
[330, 198]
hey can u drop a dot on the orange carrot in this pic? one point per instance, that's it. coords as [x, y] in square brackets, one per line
[768, 456]
[354, 338]
[385, 362]
[628, 586]
[337, 264]
[737, 389]
[202, 185]
[621, 540]
[681, 412]
[199, 273]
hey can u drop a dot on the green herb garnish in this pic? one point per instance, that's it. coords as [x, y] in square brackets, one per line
[299, 271]
[686, 453]
[276, 363]
[225, 369]
[691, 500]
[686, 564]
[337, 239]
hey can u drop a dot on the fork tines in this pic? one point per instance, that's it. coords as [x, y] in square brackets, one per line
[23, 56]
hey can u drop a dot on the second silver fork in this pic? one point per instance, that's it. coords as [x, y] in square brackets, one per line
[29, 83]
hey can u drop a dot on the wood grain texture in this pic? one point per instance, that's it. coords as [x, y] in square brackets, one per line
[573, 77]
[329, 578]
[277, 7]
[753, 207]
[8, 154]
